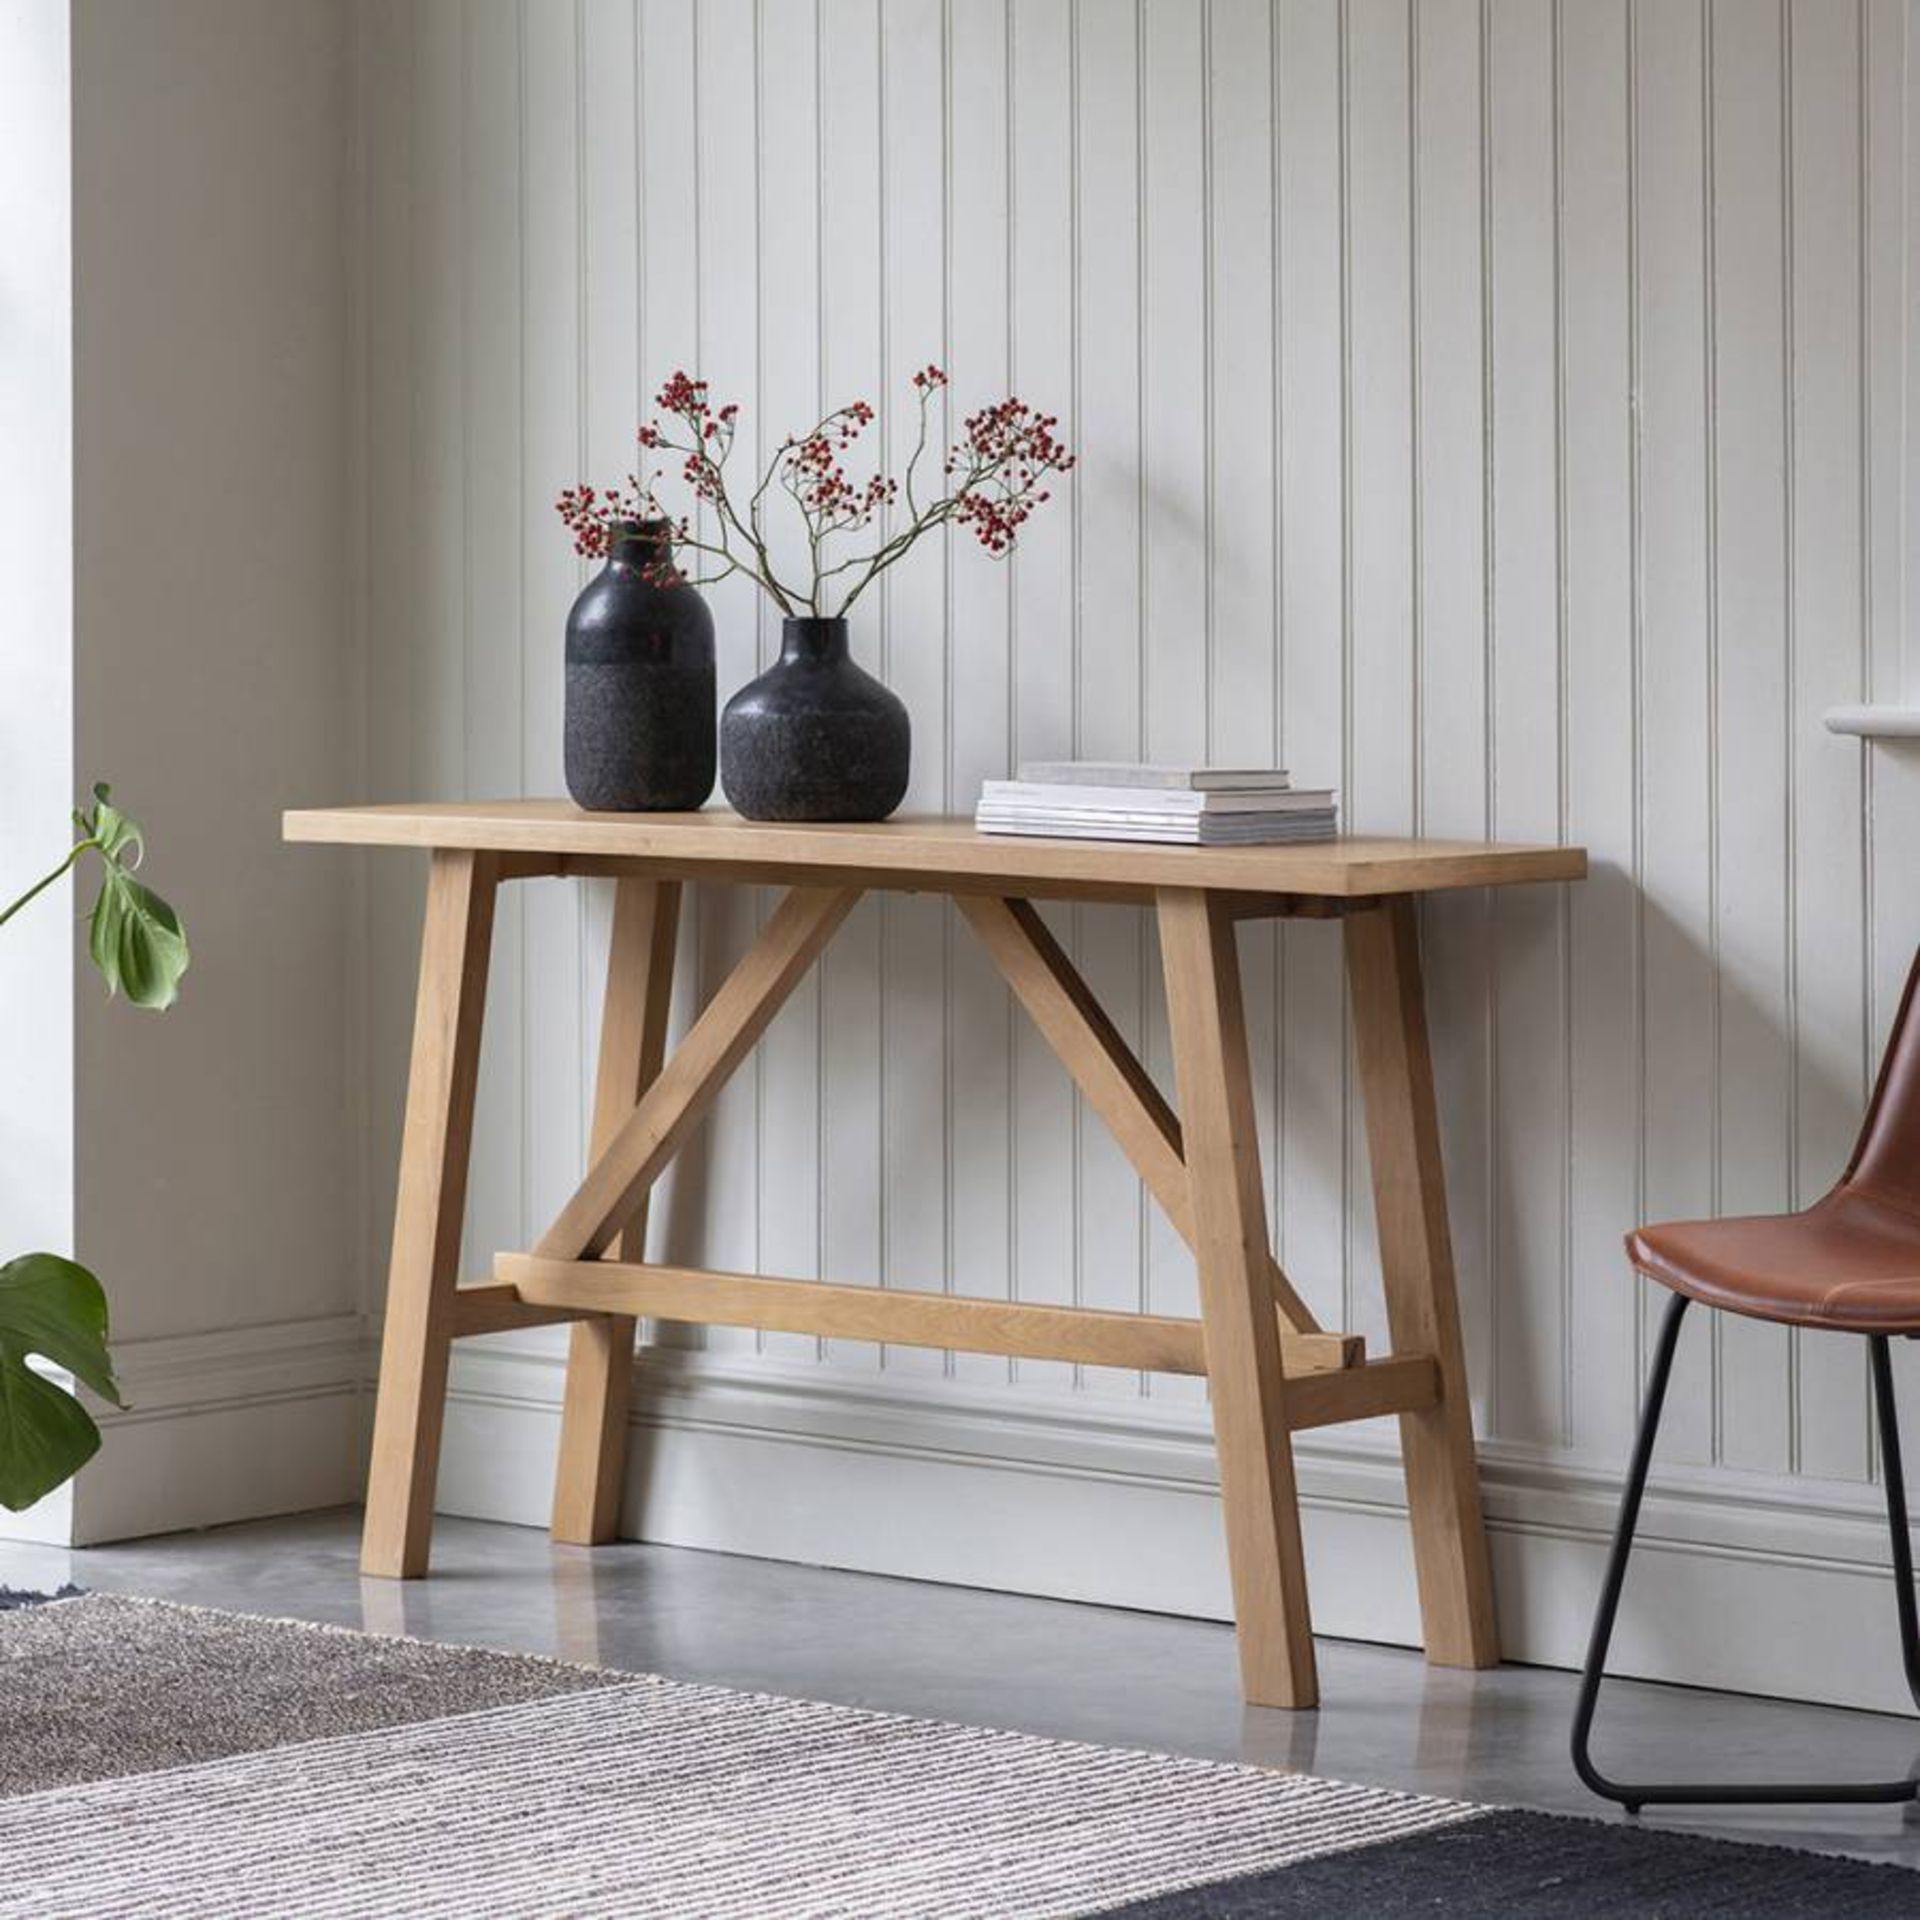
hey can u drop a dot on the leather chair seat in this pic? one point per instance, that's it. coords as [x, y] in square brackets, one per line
[1850, 1263]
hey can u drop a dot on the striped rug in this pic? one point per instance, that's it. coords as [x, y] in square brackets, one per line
[168, 1761]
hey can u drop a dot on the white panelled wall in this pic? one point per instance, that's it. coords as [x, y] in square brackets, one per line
[1500, 409]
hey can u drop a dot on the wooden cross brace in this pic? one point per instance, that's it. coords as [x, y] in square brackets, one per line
[639, 1147]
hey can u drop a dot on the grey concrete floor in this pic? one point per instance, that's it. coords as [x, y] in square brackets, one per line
[1001, 1660]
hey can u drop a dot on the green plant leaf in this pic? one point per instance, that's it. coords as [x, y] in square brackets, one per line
[136, 941]
[54, 1308]
[134, 937]
[116, 833]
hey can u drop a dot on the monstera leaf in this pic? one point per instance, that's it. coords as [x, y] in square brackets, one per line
[56, 1309]
[134, 937]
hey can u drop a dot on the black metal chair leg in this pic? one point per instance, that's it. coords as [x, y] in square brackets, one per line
[1635, 1795]
[1895, 1481]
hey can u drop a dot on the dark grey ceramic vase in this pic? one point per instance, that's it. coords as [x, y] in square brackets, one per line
[816, 737]
[640, 686]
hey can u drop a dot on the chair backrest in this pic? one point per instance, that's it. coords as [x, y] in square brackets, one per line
[1886, 1162]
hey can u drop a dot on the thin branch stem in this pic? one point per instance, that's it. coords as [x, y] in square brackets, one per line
[919, 447]
[40, 886]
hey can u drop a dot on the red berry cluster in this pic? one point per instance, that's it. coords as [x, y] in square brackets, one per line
[817, 477]
[687, 397]
[587, 520]
[1006, 452]
[683, 395]
[1017, 436]
[994, 522]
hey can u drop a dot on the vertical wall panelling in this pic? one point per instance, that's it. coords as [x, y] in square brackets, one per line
[493, 485]
[1526, 651]
[1311, 434]
[608, 110]
[1826, 613]
[1677, 741]
[1747, 637]
[435, 559]
[1449, 537]
[724, 82]
[789, 320]
[663, 270]
[909, 608]
[1890, 169]
[551, 370]
[851, 313]
[1382, 712]
[1499, 409]
[1045, 326]
[1599, 570]
[1242, 561]
[1111, 228]
[1178, 609]
[979, 172]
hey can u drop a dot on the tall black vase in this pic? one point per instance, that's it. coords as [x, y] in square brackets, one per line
[816, 737]
[640, 685]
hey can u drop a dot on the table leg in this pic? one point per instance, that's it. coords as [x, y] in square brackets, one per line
[1416, 1259]
[428, 1212]
[1233, 1256]
[633, 1039]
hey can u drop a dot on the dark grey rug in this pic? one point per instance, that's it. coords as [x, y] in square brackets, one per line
[1551, 1867]
[169, 1761]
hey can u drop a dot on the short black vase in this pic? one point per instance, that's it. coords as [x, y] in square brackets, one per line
[640, 686]
[816, 737]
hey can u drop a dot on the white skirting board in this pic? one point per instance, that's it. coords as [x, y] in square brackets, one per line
[1117, 1504]
[1743, 1581]
[219, 1427]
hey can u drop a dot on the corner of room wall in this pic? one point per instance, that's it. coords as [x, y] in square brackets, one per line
[217, 680]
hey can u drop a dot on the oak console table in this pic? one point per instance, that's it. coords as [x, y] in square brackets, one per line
[1271, 1368]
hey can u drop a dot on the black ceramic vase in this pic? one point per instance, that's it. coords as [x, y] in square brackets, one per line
[640, 687]
[816, 737]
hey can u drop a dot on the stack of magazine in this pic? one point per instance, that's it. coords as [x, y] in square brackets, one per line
[1186, 805]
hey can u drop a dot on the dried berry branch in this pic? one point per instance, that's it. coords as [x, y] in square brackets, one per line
[996, 474]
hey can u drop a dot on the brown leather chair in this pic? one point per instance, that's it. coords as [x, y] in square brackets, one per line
[1848, 1264]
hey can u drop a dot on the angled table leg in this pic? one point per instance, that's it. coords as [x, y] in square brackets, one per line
[427, 1216]
[633, 1039]
[1416, 1259]
[1230, 1246]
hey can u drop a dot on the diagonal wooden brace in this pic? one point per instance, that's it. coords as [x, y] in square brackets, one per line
[1105, 1068]
[618, 1183]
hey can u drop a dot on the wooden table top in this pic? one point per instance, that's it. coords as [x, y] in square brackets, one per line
[937, 853]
